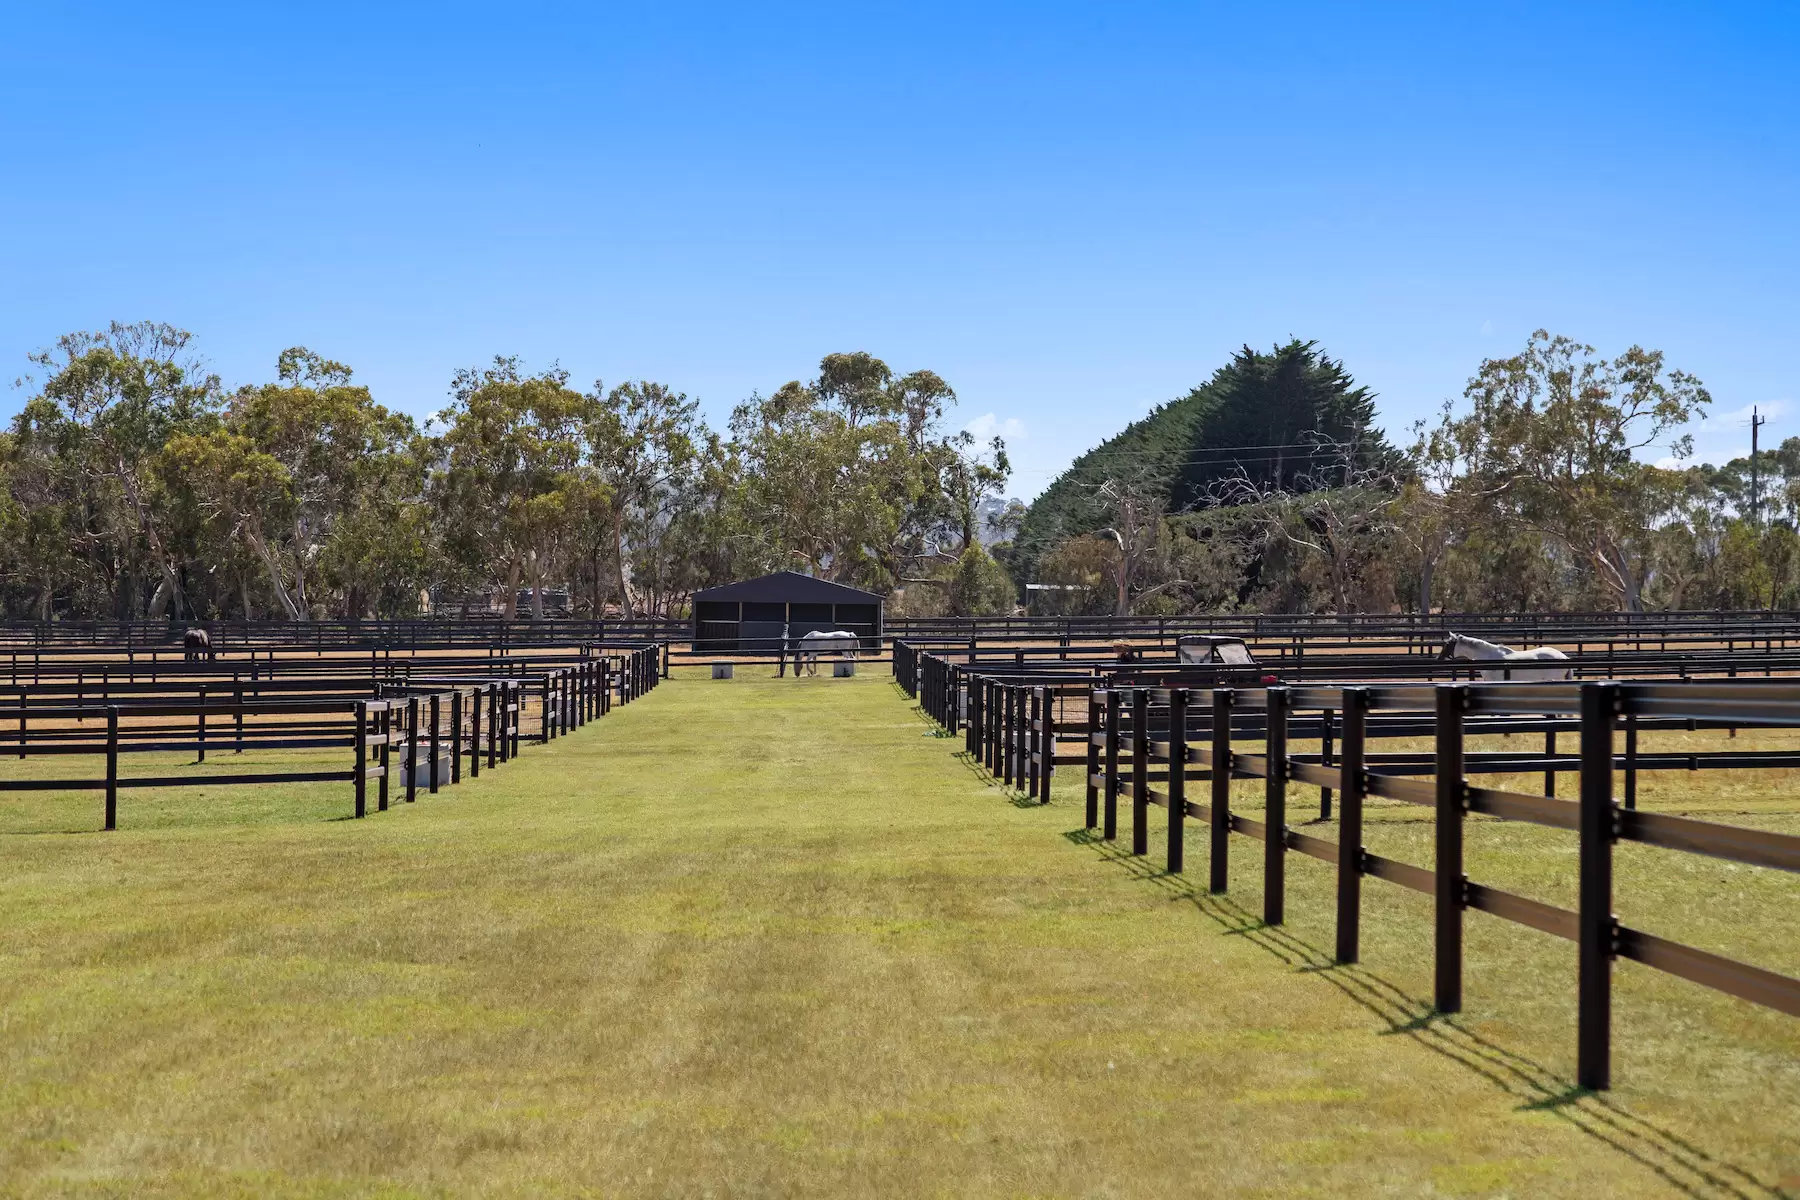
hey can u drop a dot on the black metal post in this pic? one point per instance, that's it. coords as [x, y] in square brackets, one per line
[362, 757]
[1140, 771]
[1092, 815]
[112, 766]
[1451, 801]
[1178, 706]
[1111, 828]
[1598, 927]
[1275, 806]
[1350, 826]
[432, 745]
[412, 747]
[1325, 751]
[1219, 869]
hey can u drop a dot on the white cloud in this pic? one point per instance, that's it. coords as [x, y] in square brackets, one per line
[1739, 418]
[987, 426]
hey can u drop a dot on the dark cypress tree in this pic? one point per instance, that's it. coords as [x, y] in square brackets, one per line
[1292, 418]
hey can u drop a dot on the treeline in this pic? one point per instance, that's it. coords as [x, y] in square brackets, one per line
[135, 484]
[1268, 489]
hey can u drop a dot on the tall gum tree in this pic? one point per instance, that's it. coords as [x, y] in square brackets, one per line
[1552, 439]
[111, 400]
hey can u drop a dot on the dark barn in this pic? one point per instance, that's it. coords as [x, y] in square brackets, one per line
[752, 617]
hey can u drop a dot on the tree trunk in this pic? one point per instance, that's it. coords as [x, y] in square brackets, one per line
[274, 569]
[511, 609]
[148, 528]
[1427, 567]
[619, 562]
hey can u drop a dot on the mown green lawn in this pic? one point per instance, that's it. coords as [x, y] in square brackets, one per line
[774, 937]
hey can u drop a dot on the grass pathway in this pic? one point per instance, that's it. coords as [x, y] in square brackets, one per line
[762, 937]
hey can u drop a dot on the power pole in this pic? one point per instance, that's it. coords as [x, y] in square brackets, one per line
[1756, 423]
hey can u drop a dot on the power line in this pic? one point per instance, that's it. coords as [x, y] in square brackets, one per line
[1193, 455]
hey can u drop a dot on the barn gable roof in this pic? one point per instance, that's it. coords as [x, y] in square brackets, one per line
[788, 587]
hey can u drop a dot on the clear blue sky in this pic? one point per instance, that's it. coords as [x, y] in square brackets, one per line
[1071, 212]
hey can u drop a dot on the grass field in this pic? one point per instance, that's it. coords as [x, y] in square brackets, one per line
[775, 937]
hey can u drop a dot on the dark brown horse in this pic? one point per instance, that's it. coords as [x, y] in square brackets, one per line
[198, 644]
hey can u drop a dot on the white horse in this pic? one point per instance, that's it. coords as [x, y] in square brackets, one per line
[1462, 646]
[821, 641]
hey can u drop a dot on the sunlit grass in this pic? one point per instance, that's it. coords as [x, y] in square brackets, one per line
[774, 937]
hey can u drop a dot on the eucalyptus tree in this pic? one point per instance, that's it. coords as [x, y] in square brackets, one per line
[508, 473]
[644, 444]
[1552, 436]
[108, 403]
[849, 476]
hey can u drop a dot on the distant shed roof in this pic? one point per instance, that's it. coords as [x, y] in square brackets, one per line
[788, 586]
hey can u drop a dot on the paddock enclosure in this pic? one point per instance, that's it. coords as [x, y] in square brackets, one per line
[388, 720]
[1023, 712]
[1070, 925]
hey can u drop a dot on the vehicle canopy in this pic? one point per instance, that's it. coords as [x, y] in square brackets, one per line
[1213, 649]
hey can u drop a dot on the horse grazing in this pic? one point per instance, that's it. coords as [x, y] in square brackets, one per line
[197, 644]
[1474, 649]
[821, 641]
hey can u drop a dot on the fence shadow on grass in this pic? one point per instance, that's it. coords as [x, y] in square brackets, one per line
[1680, 1163]
[1017, 797]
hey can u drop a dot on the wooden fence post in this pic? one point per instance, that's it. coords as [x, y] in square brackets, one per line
[1047, 742]
[362, 756]
[1007, 734]
[1034, 751]
[477, 699]
[975, 737]
[510, 720]
[1452, 792]
[1325, 749]
[1350, 826]
[1092, 816]
[1275, 721]
[200, 727]
[1140, 771]
[1220, 849]
[456, 736]
[412, 747]
[995, 706]
[384, 725]
[1021, 741]
[112, 766]
[1631, 752]
[1111, 828]
[1598, 928]
[1178, 706]
[432, 746]
[1549, 754]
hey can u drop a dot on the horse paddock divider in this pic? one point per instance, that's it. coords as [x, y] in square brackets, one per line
[1133, 736]
[419, 724]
